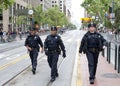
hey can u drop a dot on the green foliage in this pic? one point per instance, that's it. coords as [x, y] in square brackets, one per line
[4, 4]
[21, 20]
[100, 7]
[39, 15]
[108, 24]
[52, 16]
[71, 26]
[55, 17]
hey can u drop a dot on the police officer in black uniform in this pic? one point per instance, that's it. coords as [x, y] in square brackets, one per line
[53, 46]
[32, 44]
[92, 43]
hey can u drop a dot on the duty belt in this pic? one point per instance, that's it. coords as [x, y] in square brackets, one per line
[35, 48]
[54, 51]
[93, 49]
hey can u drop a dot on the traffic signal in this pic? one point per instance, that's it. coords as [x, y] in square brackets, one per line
[86, 20]
[110, 9]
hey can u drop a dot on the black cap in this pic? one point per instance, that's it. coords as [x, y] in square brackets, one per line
[53, 28]
[91, 25]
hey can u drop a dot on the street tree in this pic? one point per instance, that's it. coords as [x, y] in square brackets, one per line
[4, 4]
[20, 20]
[100, 8]
[55, 17]
[71, 26]
[39, 15]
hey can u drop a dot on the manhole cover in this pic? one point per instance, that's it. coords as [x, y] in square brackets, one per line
[110, 75]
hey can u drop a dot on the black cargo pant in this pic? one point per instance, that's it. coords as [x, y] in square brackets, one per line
[33, 56]
[92, 58]
[52, 61]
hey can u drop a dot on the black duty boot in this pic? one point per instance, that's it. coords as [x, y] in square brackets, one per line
[91, 81]
[34, 71]
[52, 79]
[57, 75]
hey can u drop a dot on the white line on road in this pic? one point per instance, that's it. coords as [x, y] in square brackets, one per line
[74, 75]
[1, 56]
[13, 57]
[69, 40]
[9, 58]
[18, 55]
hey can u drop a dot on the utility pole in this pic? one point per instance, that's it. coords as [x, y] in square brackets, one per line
[112, 14]
[112, 6]
[113, 18]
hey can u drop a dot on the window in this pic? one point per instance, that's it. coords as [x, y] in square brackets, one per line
[52, 1]
[55, 2]
[52, 5]
[60, 1]
[60, 4]
[17, 6]
[41, 5]
[1, 18]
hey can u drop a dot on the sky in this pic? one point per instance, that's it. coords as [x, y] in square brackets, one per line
[77, 12]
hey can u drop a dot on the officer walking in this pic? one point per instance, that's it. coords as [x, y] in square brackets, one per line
[53, 46]
[32, 44]
[92, 43]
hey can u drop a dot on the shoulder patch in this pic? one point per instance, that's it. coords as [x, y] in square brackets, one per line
[56, 37]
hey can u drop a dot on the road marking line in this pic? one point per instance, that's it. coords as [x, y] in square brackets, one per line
[69, 40]
[79, 78]
[76, 76]
[18, 59]
[1, 56]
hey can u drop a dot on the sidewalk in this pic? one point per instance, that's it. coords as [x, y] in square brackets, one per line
[106, 75]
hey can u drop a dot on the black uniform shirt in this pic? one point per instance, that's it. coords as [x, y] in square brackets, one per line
[33, 41]
[92, 40]
[53, 42]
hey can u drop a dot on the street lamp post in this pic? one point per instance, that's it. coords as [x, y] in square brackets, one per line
[106, 15]
[30, 12]
[112, 6]
[113, 17]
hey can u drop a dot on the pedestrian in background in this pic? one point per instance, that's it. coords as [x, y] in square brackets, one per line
[92, 43]
[20, 35]
[1, 35]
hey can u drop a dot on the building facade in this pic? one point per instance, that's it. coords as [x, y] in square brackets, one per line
[9, 17]
[68, 9]
[46, 5]
[54, 3]
[59, 3]
[36, 3]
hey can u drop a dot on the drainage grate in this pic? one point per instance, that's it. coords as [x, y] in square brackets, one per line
[111, 75]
